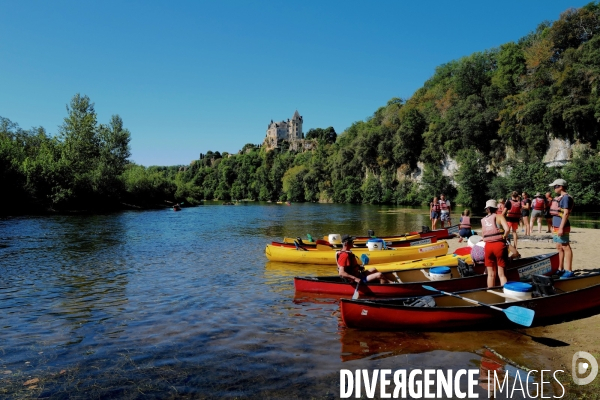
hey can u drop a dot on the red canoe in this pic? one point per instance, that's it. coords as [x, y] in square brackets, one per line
[444, 233]
[411, 281]
[568, 299]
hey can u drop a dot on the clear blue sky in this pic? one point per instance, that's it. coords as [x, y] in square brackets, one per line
[192, 76]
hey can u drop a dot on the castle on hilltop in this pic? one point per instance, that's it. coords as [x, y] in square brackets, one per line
[290, 131]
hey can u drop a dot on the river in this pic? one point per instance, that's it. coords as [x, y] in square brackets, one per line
[167, 304]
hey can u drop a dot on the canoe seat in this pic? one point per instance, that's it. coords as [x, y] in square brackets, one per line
[425, 301]
[426, 274]
[465, 269]
[506, 296]
[542, 286]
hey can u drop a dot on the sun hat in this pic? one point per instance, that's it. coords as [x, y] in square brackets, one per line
[348, 238]
[491, 203]
[560, 182]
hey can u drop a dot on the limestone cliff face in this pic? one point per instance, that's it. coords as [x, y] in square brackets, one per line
[449, 168]
[559, 153]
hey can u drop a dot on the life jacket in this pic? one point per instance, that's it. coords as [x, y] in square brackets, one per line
[490, 230]
[500, 209]
[539, 204]
[443, 206]
[435, 207]
[515, 209]
[524, 202]
[555, 209]
[353, 268]
[465, 222]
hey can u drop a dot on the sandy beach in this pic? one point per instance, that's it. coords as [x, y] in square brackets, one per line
[582, 334]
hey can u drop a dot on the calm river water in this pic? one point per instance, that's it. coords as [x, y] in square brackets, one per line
[163, 304]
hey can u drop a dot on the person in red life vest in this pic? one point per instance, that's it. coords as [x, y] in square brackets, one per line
[464, 227]
[525, 211]
[434, 213]
[500, 209]
[349, 267]
[538, 206]
[512, 213]
[494, 230]
[561, 208]
[547, 212]
[445, 209]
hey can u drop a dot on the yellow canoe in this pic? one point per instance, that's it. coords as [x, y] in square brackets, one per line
[327, 257]
[448, 260]
[358, 240]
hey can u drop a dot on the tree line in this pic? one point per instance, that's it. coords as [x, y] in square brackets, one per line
[493, 113]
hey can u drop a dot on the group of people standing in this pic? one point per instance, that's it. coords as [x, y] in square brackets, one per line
[501, 219]
[439, 210]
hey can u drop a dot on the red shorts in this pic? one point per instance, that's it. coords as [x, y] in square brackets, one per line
[512, 225]
[496, 254]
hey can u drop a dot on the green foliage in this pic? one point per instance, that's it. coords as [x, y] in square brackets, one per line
[583, 177]
[472, 179]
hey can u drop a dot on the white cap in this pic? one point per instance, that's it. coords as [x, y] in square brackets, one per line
[491, 203]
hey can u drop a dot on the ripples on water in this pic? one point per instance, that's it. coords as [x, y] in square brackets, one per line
[169, 304]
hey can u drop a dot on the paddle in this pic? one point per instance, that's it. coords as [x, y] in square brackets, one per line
[365, 260]
[520, 315]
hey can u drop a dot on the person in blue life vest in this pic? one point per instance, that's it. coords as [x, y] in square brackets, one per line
[349, 266]
[464, 226]
[445, 210]
[560, 209]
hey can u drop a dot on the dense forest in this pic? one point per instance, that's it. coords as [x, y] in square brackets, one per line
[494, 112]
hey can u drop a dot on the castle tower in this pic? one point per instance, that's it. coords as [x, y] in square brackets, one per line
[295, 127]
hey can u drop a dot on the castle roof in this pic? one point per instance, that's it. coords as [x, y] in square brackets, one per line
[296, 115]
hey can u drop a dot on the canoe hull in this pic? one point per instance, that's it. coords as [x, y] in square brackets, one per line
[519, 270]
[327, 257]
[391, 315]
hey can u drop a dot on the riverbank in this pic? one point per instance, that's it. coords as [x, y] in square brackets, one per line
[578, 335]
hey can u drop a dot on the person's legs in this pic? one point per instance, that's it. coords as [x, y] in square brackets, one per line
[561, 256]
[373, 274]
[491, 276]
[514, 226]
[565, 253]
[502, 257]
[526, 225]
[568, 261]
[491, 264]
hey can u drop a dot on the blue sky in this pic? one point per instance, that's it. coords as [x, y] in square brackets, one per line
[192, 76]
